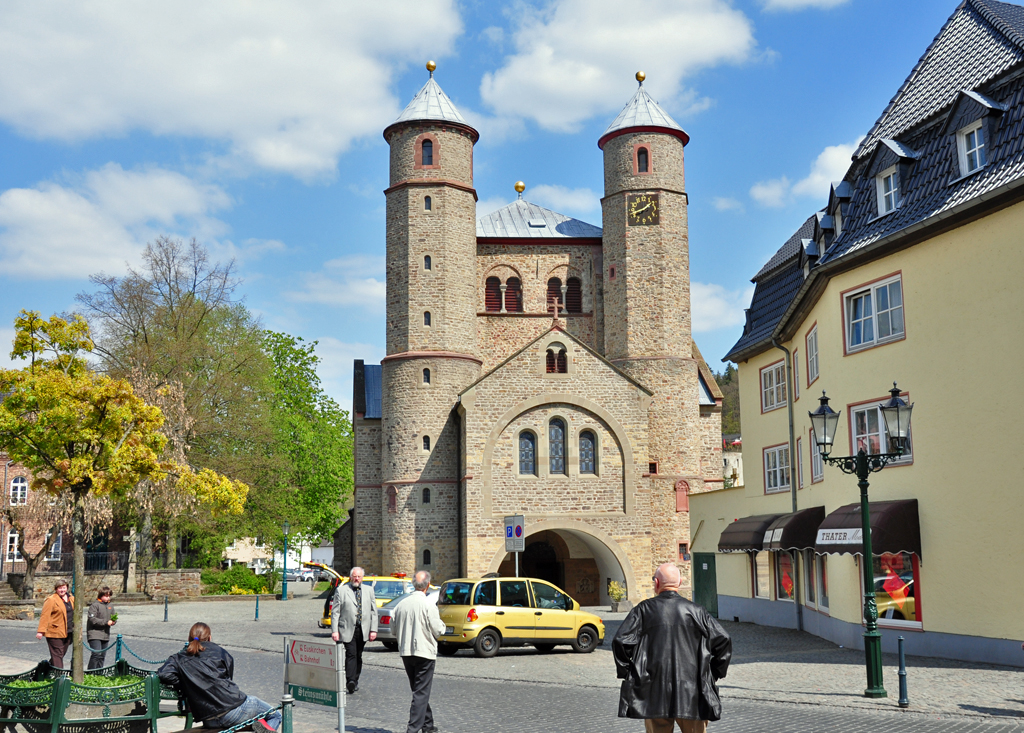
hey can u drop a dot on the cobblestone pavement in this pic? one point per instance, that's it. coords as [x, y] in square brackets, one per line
[779, 679]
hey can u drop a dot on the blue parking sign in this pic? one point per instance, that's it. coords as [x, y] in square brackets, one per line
[508, 531]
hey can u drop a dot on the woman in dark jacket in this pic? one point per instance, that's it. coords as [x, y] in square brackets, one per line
[203, 673]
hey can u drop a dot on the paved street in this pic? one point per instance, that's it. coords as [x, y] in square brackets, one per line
[779, 680]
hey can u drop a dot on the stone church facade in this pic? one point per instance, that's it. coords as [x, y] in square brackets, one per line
[535, 365]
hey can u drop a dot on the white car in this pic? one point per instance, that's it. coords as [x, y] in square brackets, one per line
[385, 618]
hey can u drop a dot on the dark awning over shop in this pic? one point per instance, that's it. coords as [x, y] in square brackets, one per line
[746, 534]
[894, 528]
[796, 531]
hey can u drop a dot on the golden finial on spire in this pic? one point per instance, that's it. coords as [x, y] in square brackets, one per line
[520, 186]
[640, 76]
[431, 66]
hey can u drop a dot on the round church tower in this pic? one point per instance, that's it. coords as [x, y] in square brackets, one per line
[431, 330]
[647, 299]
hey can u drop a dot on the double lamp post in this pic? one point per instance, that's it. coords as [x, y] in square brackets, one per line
[824, 421]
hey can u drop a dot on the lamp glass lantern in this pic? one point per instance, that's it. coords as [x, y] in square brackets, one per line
[896, 413]
[824, 422]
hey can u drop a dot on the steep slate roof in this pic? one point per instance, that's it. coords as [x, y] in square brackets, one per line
[789, 250]
[642, 111]
[431, 103]
[979, 56]
[523, 220]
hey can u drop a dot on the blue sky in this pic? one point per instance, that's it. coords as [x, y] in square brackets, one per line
[255, 126]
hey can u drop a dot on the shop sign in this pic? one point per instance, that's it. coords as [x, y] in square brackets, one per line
[775, 536]
[840, 536]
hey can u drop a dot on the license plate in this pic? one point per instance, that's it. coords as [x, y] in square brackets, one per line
[449, 630]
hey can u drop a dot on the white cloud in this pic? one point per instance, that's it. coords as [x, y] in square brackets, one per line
[773, 194]
[284, 86]
[575, 58]
[801, 4]
[830, 166]
[490, 205]
[355, 280]
[99, 220]
[562, 199]
[724, 203]
[335, 367]
[715, 307]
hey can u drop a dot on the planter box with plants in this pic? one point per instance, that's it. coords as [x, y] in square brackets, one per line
[617, 592]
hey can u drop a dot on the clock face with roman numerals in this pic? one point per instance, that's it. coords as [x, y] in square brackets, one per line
[642, 209]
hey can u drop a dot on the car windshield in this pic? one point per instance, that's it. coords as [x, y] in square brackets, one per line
[388, 588]
[455, 593]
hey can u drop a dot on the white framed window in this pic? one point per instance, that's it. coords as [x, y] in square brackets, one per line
[821, 573]
[837, 217]
[887, 185]
[810, 592]
[19, 491]
[761, 571]
[874, 315]
[812, 355]
[817, 465]
[970, 143]
[800, 462]
[796, 375]
[867, 428]
[55, 549]
[773, 386]
[12, 547]
[776, 469]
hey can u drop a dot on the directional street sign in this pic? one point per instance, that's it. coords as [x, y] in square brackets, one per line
[515, 533]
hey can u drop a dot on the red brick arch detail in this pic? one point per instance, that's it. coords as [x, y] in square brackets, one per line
[418, 151]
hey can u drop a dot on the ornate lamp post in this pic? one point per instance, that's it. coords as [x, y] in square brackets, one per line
[284, 565]
[824, 422]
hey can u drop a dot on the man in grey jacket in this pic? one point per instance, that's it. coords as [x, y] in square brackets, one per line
[417, 626]
[353, 623]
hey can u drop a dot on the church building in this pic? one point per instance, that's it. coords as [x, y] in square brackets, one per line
[536, 365]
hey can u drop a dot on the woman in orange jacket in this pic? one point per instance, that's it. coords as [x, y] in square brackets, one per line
[57, 622]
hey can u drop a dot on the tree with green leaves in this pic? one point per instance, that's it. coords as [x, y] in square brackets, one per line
[729, 383]
[82, 433]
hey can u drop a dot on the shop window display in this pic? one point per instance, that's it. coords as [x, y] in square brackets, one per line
[762, 580]
[896, 587]
[785, 580]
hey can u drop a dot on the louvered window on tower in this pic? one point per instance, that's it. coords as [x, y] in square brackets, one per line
[492, 295]
[556, 446]
[513, 295]
[574, 295]
[641, 160]
[554, 293]
[428, 153]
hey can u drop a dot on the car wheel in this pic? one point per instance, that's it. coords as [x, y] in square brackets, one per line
[544, 647]
[446, 650]
[586, 640]
[391, 646]
[487, 644]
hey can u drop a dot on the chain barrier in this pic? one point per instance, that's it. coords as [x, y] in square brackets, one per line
[124, 645]
[246, 723]
[104, 650]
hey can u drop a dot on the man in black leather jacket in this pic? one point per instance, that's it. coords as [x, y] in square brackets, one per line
[669, 653]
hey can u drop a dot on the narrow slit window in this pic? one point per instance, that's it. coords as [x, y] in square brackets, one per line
[492, 295]
[527, 454]
[556, 446]
[642, 162]
[426, 495]
[427, 203]
[587, 455]
[426, 442]
[428, 153]
[426, 557]
[426, 376]
[427, 263]
[426, 318]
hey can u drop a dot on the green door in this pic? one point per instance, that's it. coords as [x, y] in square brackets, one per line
[705, 584]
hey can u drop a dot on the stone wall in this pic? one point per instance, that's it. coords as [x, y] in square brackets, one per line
[343, 561]
[178, 585]
[94, 579]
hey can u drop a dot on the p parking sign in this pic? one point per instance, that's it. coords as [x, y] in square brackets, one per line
[515, 533]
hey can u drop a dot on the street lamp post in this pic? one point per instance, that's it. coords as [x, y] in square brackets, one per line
[824, 421]
[284, 564]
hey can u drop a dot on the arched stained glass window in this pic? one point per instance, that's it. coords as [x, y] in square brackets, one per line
[527, 454]
[588, 460]
[556, 446]
[428, 153]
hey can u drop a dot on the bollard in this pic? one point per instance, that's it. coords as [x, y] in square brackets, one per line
[904, 701]
[257, 606]
[117, 652]
[287, 703]
[165, 608]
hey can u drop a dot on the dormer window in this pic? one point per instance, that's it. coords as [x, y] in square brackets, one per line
[427, 157]
[971, 146]
[837, 219]
[888, 186]
[642, 160]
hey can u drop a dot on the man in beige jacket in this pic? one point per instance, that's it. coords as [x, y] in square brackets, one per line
[353, 623]
[417, 626]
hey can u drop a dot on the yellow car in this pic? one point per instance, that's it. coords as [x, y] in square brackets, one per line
[385, 588]
[485, 614]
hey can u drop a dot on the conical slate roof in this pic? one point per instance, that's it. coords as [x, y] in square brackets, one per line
[642, 111]
[431, 103]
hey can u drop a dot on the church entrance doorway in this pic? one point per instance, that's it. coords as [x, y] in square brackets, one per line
[541, 561]
[563, 559]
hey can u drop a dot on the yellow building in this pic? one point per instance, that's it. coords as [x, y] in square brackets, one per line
[911, 273]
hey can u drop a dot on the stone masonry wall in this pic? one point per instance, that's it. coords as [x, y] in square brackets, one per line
[179, 585]
[367, 462]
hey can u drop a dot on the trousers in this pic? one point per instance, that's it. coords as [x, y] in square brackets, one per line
[96, 658]
[58, 648]
[660, 725]
[354, 658]
[421, 676]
